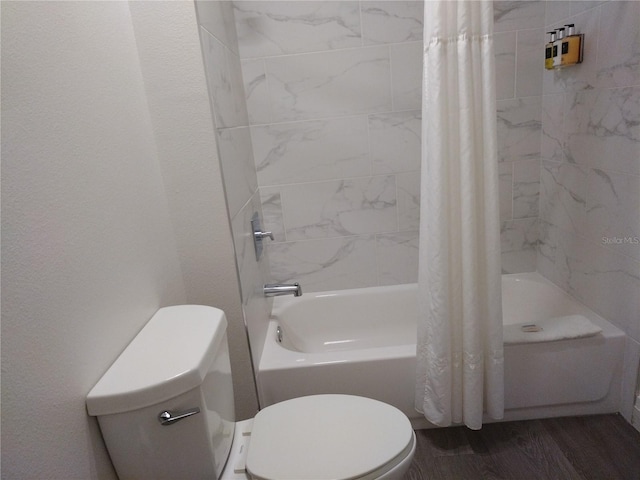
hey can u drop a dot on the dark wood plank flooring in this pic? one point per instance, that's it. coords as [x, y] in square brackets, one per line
[599, 447]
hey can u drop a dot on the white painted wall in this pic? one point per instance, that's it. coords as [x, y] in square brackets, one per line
[227, 98]
[89, 250]
[176, 86]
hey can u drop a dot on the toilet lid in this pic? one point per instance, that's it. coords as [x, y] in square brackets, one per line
[327, 437]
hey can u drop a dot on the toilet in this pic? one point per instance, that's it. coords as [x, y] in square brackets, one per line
[166, 411]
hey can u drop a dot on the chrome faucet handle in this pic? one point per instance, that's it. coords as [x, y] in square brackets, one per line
[260, 235]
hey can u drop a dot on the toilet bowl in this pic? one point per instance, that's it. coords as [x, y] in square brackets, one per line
[165, 409]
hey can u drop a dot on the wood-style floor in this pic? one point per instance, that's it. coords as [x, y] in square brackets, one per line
[601, 447]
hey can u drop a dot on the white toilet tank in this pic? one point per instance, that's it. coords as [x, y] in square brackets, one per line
[176, 366]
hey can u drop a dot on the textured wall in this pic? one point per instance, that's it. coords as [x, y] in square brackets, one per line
[88, 250]
[112, 206]
[176, 87]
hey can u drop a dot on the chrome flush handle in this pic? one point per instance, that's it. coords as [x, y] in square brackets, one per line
[168, 417]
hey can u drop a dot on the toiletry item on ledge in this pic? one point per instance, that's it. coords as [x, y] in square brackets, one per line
[549, 51]
[557, 59]
[572, 47]
[565, 48]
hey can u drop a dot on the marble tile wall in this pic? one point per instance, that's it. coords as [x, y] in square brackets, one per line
[334, 102]
[334, 97]
[519, 39]
[233, 135]
[590, 175]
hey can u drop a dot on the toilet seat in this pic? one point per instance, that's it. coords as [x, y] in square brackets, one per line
[328, 437]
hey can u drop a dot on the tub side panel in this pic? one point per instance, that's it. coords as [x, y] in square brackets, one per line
[563, 372]
[390, 380]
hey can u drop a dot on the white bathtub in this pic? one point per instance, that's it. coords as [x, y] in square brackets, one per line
[362, 342]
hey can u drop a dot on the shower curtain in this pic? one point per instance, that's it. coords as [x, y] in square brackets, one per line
[460, 350]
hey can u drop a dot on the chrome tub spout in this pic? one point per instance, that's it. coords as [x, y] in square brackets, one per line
[276, 289]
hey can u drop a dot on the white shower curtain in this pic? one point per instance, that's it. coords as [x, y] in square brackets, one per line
[460, 349]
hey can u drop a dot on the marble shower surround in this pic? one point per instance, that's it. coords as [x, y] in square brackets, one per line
[519, 38]
[587, 118]
[226, 93]
[590, 175]
[334, 100]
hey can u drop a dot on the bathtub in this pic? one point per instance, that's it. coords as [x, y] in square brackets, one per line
[362, 342]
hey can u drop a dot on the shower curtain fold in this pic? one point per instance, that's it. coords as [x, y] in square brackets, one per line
[460, 348]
